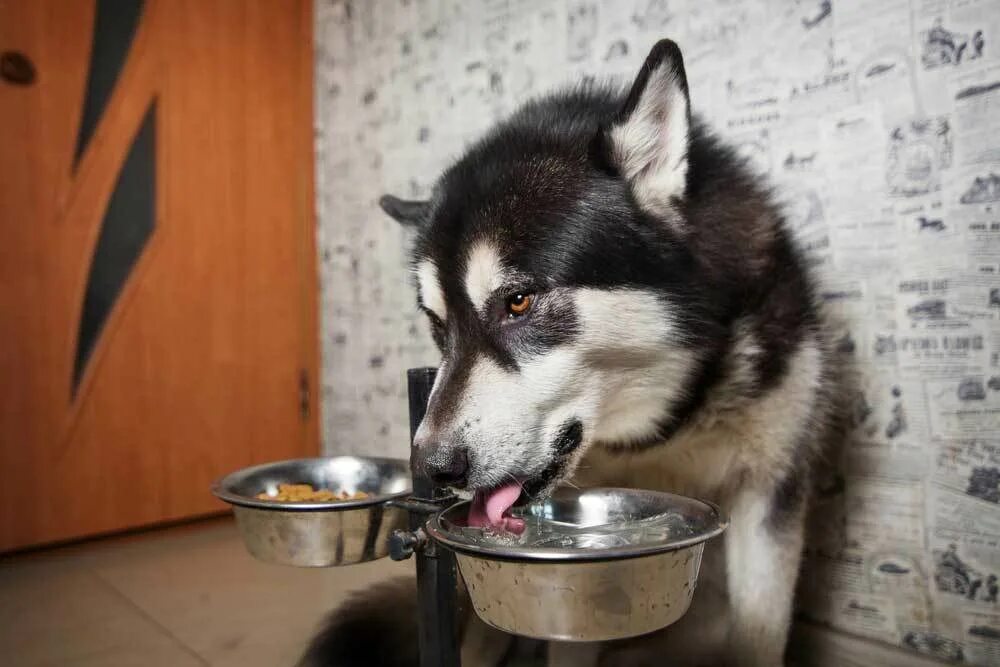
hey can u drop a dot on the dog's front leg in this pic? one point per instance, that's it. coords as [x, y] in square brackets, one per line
[763, 550]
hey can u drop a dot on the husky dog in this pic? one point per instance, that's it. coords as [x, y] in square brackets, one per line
[618, 302]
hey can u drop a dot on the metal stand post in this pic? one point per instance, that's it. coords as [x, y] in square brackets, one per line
[436, 570]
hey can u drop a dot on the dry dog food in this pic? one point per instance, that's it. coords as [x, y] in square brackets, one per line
[306, 493]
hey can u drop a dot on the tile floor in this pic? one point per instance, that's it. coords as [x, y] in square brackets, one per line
[192, 596]
[177, 597]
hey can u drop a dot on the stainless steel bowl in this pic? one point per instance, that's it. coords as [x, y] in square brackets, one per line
[593, 589]
[318, 534]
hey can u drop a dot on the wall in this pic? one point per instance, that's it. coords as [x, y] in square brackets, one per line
[880, 123]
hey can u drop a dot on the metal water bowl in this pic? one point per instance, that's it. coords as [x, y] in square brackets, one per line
[610, 567]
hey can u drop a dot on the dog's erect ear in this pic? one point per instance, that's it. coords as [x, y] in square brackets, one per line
[648, 140]
[408, 213]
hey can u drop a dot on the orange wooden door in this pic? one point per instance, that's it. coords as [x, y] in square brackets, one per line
[157, 267]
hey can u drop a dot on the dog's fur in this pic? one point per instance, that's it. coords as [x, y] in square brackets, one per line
[673, 340]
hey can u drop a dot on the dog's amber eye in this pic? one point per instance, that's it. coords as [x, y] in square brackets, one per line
[519, 304]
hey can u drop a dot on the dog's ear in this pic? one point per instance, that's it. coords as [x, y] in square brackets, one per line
[408, 213]
[647, 142]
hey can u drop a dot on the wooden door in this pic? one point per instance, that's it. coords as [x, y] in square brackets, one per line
[157, 266]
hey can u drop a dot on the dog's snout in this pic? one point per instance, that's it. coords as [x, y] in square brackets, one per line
[445, 466]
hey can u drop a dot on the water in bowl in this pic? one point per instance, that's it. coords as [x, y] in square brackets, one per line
[542, 532]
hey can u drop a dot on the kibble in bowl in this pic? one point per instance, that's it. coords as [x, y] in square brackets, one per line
[318, 512]
[303, 493]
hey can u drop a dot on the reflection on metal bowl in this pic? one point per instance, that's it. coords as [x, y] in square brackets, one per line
[593, 565]
[318, 534]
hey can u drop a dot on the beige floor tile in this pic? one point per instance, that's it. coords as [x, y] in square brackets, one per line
[188, 595]
[56, 613]
[229, 608]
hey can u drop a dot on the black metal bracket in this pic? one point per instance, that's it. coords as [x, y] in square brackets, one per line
[404, 543]
[423, 506]
[437, 574]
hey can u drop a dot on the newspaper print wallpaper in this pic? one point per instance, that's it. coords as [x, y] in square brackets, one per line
[880, 124]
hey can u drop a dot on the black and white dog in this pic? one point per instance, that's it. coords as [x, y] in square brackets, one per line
[617, 302]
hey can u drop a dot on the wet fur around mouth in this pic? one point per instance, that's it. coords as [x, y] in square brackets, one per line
[566, 445]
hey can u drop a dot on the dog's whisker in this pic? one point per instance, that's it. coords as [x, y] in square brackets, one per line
[531, 496]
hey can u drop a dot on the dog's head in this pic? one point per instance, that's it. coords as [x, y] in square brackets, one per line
[552, 266]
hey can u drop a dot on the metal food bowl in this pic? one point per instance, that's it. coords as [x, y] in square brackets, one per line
[318, 534]
[586, 581]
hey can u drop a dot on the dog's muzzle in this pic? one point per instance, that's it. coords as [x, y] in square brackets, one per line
[444, 465]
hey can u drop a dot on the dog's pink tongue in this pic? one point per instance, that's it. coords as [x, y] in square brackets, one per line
[488, 509]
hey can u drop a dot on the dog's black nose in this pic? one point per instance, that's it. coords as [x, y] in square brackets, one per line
[447, 468]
